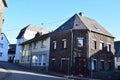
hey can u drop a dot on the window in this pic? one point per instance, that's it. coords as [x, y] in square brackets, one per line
[0, 54]
[79, 42]
[35, 45]
[35, 60]
[118, 59]
[43, 44]
[53, 63]
[54, 44]
[102, 65]
[1, 38]
[94, 65]
[108, 47]
[94, 44]
[30, 46]
[101, 45]
[109, 65]
[64, 43]
[1, 45]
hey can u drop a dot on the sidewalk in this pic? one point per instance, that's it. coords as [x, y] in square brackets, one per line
[3, 73]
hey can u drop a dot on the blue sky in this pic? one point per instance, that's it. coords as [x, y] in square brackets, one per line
[50, 14]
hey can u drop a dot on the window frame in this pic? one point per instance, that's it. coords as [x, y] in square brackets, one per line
[64, 43]
[80, 42]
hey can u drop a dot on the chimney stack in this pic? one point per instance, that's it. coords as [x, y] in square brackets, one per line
[81, 14]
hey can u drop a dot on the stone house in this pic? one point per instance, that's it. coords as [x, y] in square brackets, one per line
[3, 4]
[81, 46]
[4, 43]
[25, 34]
[35, 52]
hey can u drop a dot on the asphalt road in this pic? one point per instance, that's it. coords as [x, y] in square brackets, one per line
[16, 72]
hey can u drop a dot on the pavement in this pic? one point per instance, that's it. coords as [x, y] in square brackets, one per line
[3, 73]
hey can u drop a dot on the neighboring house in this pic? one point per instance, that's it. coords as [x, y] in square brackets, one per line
[11, 52]
[35, 52]
[3, 4]
[81, 46]
[25, 34]
[117, 54]
[3, 47]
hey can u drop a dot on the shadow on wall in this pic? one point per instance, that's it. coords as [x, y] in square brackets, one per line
[101, 65]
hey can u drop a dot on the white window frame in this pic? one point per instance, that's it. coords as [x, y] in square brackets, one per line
[101, 46]
[94, 44]
[80, 40]
[54, 45]
[64, 43]
[108, 47]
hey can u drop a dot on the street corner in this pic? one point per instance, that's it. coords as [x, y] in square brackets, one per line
[3, 73]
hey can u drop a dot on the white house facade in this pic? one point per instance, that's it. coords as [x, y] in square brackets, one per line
[35, 52]
[3, 47]
[25, 34]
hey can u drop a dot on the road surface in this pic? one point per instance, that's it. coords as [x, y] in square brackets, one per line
[15, 72]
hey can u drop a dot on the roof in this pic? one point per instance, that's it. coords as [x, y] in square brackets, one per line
[37, 37]
[80, 22]
[4, 2]
[5, 37]
[117, 48]
[30, 27]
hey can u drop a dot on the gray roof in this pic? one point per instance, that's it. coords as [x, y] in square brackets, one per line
[117, 48]
[32, 28]
[83, 23]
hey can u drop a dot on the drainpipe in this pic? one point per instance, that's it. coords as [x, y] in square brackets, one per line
[71, 55]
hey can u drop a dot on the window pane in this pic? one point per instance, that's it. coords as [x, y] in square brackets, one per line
[79, 42]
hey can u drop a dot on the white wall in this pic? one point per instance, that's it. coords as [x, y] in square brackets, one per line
[4, 50]
[27, 36]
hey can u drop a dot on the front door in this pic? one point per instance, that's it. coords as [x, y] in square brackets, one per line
[80, 65]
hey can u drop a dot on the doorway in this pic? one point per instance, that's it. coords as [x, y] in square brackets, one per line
[80, 65]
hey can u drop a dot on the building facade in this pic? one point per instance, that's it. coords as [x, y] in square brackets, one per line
[35, 53]
[11, 52]
[117, 54]
[25, 34]
[3, 4]
[3, 47]
[82, 47]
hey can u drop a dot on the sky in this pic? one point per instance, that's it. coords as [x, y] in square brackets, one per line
[50, 14]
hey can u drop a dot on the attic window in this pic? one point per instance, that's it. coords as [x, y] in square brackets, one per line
[76, 24]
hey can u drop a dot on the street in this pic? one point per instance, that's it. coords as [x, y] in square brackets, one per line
[15, 72]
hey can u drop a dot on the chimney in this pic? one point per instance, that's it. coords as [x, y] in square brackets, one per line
[81, 14]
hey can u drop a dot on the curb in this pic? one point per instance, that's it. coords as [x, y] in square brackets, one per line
[5, 74]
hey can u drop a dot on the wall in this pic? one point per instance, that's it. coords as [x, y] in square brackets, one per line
[1, 14]
[4, 50]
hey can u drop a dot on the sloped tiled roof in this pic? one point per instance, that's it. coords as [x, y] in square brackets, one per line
[117, 48]
[32, 28]
[37, 37]
[83, 23]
